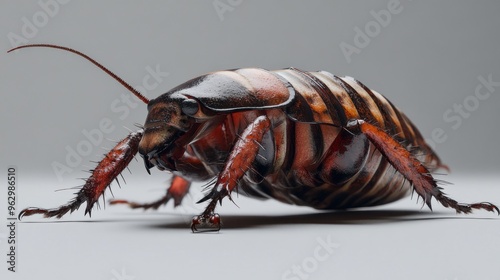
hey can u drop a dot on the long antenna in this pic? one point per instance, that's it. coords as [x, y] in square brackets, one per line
[125, 84]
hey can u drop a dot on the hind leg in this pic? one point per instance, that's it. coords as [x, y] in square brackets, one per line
[413, 170]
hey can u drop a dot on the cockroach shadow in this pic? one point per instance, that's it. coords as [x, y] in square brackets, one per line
[357, 217]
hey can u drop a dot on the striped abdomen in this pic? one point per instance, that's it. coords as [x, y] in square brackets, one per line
[303, 134]
[323, 102]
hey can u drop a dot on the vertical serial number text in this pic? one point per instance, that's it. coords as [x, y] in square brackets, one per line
[11, 219]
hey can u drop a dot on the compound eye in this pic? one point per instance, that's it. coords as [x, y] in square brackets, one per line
[190, 107]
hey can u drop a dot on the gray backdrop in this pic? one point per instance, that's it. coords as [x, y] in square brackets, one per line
[427, 57]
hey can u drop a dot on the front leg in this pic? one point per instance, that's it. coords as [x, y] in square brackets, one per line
[237, 164]
[106, 171]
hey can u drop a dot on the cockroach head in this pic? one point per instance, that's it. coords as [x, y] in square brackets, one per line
[164, 124]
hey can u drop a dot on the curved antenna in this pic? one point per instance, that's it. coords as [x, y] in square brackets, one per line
[125, 84]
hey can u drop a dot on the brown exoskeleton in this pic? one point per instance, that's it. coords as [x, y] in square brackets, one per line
[306, 138]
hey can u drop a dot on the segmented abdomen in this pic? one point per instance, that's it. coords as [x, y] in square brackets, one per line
[324, 103]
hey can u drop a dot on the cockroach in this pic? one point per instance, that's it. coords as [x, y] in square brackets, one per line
[305, 138]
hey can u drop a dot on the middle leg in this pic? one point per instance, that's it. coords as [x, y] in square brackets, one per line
[179, 187]
[240, 160]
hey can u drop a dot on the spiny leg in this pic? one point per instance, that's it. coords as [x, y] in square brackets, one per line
[237, 164]
[179, 187]
[413, 170]
[106, 171]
